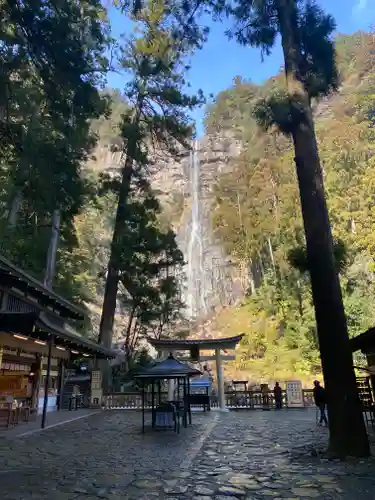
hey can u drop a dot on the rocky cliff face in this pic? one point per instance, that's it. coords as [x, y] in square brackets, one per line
[185, 190]
[210, 278]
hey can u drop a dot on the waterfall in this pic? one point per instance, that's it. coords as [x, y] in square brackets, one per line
[195, 272]
[208, 281]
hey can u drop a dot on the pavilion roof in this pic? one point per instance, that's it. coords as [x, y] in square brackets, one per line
[186, 344]
[169, 368]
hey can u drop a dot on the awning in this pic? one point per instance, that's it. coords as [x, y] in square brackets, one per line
[39, 326]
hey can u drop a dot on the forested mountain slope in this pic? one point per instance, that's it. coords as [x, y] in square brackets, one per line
[257, 216]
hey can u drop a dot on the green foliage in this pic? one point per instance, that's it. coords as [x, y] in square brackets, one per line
[297, 257]
[149, 262]
[52, 59]
[52, 113]
[257, 204]
[257, 23]
[107, 126]
[155, 122]
[279, 111]
[233, 105]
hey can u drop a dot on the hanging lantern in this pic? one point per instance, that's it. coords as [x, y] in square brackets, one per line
[194, 353]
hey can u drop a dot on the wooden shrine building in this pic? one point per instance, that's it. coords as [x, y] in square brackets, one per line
[36, 340]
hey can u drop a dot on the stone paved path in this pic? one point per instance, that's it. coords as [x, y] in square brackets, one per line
[247, 455]
[268, 455]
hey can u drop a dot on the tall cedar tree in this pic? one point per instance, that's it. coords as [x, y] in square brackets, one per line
[52, 64]
[148, 288]
[157, 120]
[52, 59]
[310, 72]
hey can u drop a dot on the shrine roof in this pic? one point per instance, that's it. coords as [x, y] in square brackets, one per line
[186, 344]
[13, 276]
[39, 327]
[364, 342]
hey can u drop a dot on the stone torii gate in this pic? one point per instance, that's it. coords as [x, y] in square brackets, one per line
[194, 346]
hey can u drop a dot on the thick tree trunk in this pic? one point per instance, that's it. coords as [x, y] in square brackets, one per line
[52, 250]
[128, 336]
[256, 271]
[243, 274]
[261, 265]
[347, 430]
[300, 298]
[272, 259]
[14, 209]
[250, 276]
[111, 285]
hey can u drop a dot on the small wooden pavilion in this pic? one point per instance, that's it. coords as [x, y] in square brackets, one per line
[171, 411]
[195, 346]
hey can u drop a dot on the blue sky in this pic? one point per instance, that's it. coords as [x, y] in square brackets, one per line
[214, 67]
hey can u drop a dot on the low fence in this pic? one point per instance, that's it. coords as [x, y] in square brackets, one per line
[236, 400]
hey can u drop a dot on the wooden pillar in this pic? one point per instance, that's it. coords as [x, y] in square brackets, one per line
[220, 380]
[371, 362]
[36, 383]
[171, 386]
[61, 383]
[48, 373]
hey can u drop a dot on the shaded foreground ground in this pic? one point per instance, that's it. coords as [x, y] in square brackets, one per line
[252, 455]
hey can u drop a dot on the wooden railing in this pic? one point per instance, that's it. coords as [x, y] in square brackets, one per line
[233, 400]
[130, 400]
[256, 399]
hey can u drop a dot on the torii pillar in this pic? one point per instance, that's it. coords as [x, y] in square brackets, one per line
[220, 380]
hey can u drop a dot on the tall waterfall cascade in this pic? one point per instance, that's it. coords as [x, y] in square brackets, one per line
[208, 280]
[195, 273]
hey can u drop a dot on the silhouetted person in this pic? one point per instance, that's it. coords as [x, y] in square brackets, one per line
[320, 401]
[278, 393]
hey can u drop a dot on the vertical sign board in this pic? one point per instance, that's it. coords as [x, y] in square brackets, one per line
[294, 394]
[96, 389]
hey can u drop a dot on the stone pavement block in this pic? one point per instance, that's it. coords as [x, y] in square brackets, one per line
[269, 456]
[249, 455]
[95, 457]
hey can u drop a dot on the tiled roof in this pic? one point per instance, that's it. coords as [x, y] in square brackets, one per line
[17, 277]
[365, 341]
[168, 368]
[193, 342]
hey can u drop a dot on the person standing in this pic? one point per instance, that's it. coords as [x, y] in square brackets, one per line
[278, 394]
[320, 401]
